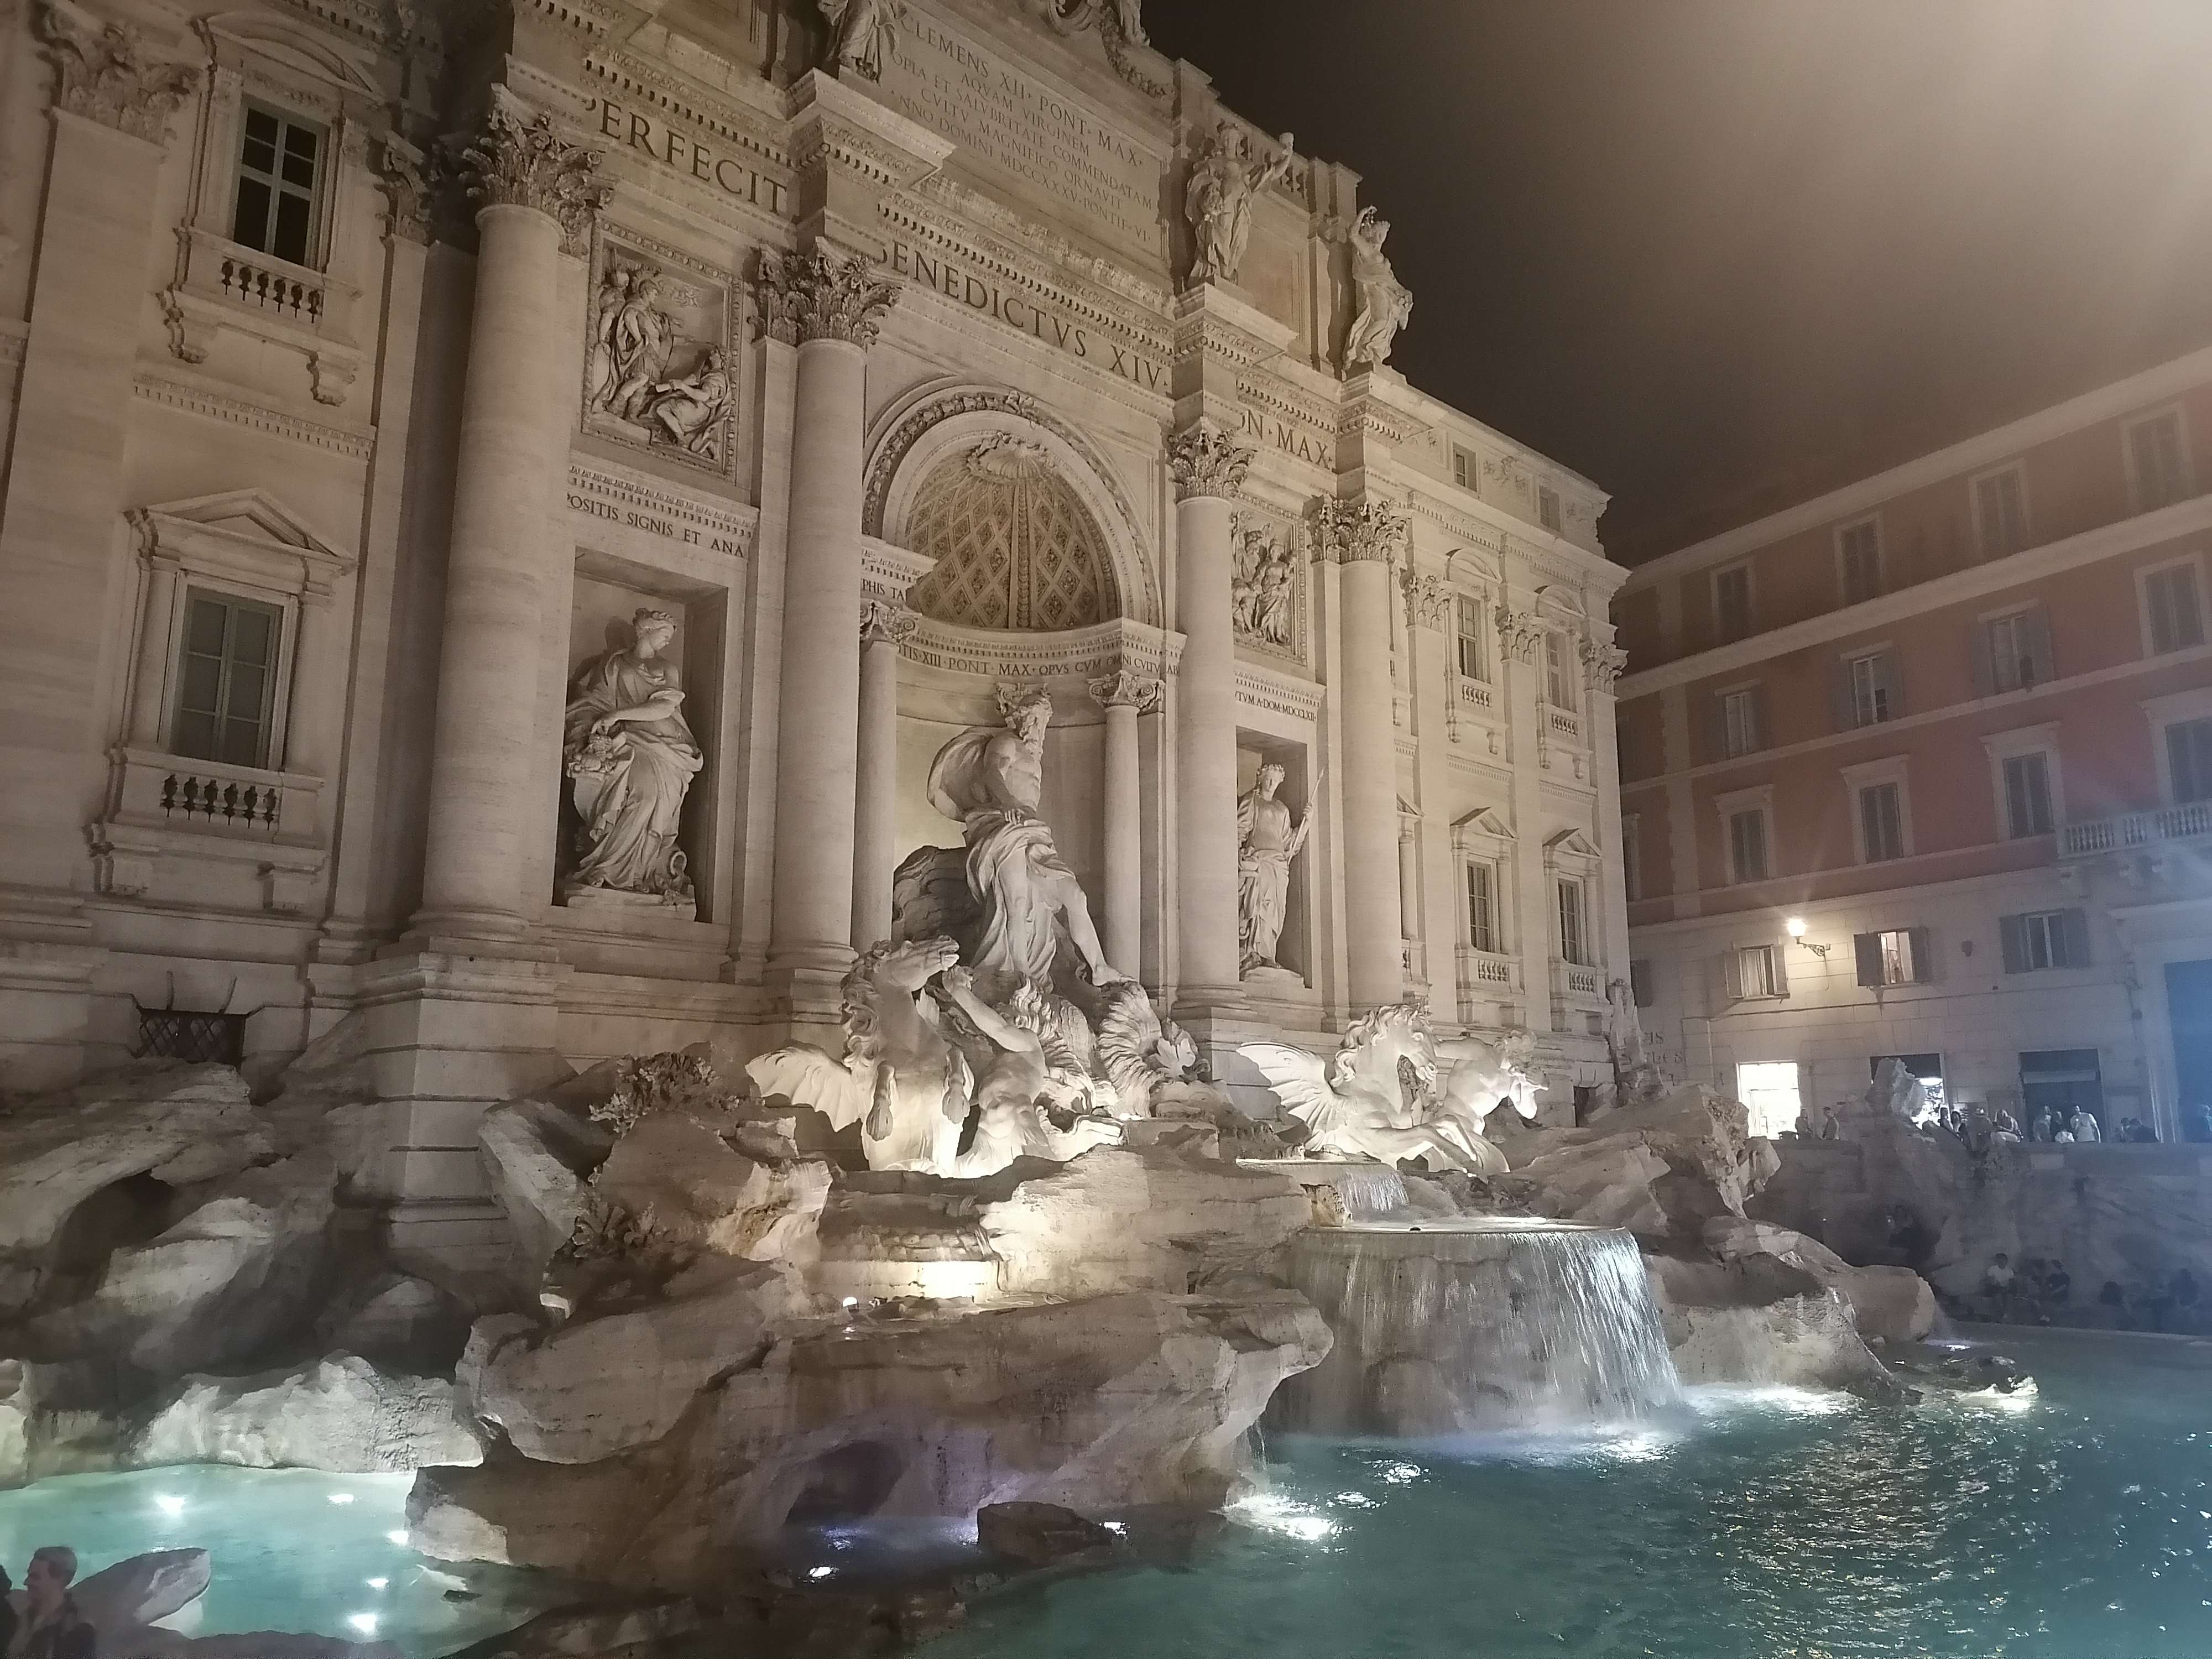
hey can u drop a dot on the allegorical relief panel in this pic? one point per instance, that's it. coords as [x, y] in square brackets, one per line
[658, 374]
[1265, 597]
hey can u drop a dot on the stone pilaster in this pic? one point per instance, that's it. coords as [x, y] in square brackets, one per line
[1125, 695]
[1363, 538]
[1435, 920]
[883, 628]
[1602, 662]
[1208, 467]
[1520, 669]
[829, 308]
[64, 564]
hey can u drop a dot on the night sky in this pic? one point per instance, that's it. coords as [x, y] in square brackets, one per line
[1721, 254]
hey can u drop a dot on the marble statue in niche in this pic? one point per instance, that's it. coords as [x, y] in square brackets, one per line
[1269, 839]
[1385, 303]
[1263, 589]
[1217, 202]
[862, 33]
[991, 779]
[630, 758]
[657, 375]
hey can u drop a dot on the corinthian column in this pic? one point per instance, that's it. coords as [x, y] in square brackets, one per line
[883, 628]
[1208, 468]
[829, 309]
[1124, 696]
[504, 566]
[1363, 537]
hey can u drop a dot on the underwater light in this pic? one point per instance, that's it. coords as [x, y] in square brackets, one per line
[398, 1536]
[169, 1504]
[852, 1300]
[818, 1573]
[341, 1498]
[1279, 1515]
[363, 1622]
[378, 1584]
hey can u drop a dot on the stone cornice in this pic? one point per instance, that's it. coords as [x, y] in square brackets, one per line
[1205, 461]
[817, 295]
[833, 124]
[107, 72]
[521, 161]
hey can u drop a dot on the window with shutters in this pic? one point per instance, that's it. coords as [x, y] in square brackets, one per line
[1547, 508]
[2013, 653]
[280, 168]
[1474, 656]
[2027, 795]
[2174, 611]
[1465, 468]
[1574, 929]
[2157, 460]
[1732, 602]
[2189, 760]
[1756, 970]
[1639, 982]
[2001, 511]
[1748, 846]
[1739, 722]
[226, 679]
[1858, 560]
[1897, 956]
[1483, 932]
[1881, 823]
[2040, 939]
[1559, 672]
[1872, 679]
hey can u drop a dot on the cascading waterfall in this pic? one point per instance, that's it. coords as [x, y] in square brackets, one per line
[1477, 1325]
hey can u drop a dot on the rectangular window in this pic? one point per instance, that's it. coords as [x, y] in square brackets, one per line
[2000, 513]
[1482, 908]
[2012, 653]
[1574, 940]
[1874, 690]
[1463, 468]
[2189, 760]
[1748, 846]
[226, 679]
[2156, 462]
[1547, 508]
[1639, 982]
[1732, 602]
[1858, 551]
[1881, 822]
[1472, 664]
[1559, 672]
[1897, 956]
[279, 169]
[2027, 795]
[2043, 939]
[2176, 621]
[1740, 721]
[1756, 970]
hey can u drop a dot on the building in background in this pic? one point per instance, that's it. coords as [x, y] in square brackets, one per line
[1922, 767]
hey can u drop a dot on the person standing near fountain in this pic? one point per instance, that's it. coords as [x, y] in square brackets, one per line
[52, 1628]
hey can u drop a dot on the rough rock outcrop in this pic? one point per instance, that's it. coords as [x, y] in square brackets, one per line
[537, 1156]
[1115, 1401]
[1040, 1535]
[398, 1321]
[702, 1193]
[339, 1414]
[1892, 1304]
[609, 1382]
[1758, 1319]
[1661, 1170]
[14, 1414]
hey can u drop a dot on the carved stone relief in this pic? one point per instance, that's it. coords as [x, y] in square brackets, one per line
[657, 375]
[1263, 588]
[108, 74]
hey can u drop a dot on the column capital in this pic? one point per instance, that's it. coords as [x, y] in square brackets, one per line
[520, 161]
[1126, 689]
[816, 295]
[1519, 632]
[1428, 599]
[107, 72]
[883, 622]
[1354, 532]
[1207, 461]
[403, 173]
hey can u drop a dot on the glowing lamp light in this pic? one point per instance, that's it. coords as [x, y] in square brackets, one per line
[852, 1300]
[1797, 927]
[363, 1622]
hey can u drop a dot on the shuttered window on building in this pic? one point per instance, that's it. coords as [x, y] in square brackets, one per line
[2012, 653]
[1897, 955]
[2038, 939]
[2189, 760]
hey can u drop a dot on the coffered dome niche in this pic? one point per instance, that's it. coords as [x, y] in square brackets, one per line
[1011, 545]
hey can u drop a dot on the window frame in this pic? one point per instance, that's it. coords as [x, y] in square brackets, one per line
[1919, 952]
[1886, 691]
[2017, 472]
[1873, 774]
[1491, 871]
[1466, 604]
[2179, 416]
[2004, 747]
[1755, 723]
[1870, 521]
[314, 250]
[2175, 709]
[2193, 563]
[1744, 802]
[1774, 975]
[2060, 930]
[1466, 468]
[197, 590]
[1564, 885]
[1550, 510]
[1737, 567]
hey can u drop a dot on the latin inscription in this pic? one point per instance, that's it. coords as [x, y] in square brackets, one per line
[1287, 438]
[654, 137]
[1020, 127]
[1076, 339]
[595, 495]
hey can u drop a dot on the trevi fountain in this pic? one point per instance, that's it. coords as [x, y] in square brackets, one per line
[1146, 1230]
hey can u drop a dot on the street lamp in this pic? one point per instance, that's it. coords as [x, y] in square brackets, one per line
[1795, 926]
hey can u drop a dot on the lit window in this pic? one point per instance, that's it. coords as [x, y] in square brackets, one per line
[1574, 942]
[1756, 970]
[1482, 908]
[1881, 822]
[1897, 957]
[1547, 508]
[2189, 760]
[2045, 939]
[1748, 846]
[226, 680]
[1858, 548]
[1472, 663]
[2027, 795]
[2157, 463]
[279, 167]
[2177, 621]
[2000, 513]
[1732, 602]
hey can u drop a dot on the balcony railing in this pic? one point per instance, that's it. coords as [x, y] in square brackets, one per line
[1476, 693]
[1572, 979]
[2133, 829]
[1565, 722]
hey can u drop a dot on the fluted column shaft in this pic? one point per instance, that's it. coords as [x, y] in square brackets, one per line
[1124, 696]
[875, 815]
[1208, 468]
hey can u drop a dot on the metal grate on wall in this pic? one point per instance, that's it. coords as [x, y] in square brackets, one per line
[184, 1034]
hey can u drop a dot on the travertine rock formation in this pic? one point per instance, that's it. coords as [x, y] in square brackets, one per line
[338, 1413]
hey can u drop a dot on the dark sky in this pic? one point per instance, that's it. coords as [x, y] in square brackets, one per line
[1721, 254]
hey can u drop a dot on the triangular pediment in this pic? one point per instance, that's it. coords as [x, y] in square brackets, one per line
[1572, 842]
[250, 533]
[1484, 821]
[252, 513]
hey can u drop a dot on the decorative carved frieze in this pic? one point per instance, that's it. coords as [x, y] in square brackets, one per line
[403, 175]
[107, 72]
[522, 161]
[883, 622]
[894, 449]
[1127, 689]
[1207, 461]
[1352, 533]
[1519, 633]
[817, 296]
[1428, 599]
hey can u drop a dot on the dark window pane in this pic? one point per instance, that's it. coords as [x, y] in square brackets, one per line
[290, 241]
[250, 634]
[242, 743]
[249, 226]
[203, 682]
[204, 628]
[260, 150]
[260, 125]
[247, 682]
[194, 736]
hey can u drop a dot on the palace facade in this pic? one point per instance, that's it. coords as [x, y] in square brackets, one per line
[504, 503]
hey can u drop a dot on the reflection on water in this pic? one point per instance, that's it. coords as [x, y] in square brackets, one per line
[2073, 1522]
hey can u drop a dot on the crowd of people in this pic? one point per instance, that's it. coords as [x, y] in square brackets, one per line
[2040, 1288]
[43, 1622]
